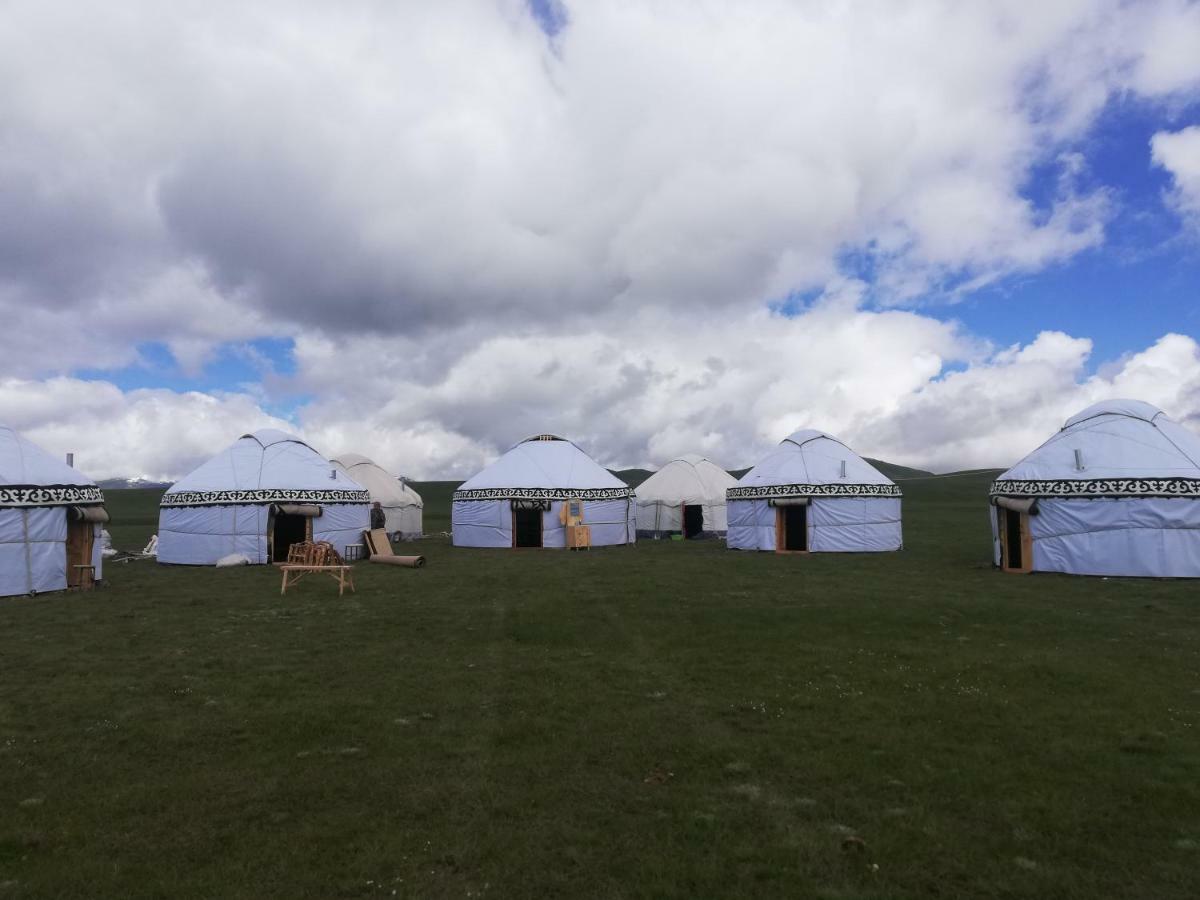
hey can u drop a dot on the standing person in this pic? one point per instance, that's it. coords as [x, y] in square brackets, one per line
[378, 517]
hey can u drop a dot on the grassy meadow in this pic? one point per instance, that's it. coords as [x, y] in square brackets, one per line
[666, 720]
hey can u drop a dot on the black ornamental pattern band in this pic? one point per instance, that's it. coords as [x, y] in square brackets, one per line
[260, 495]
[619, 493]
[1098, 488]
[782, 491]
[28, 495]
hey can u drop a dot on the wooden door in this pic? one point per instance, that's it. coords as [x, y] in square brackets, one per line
[791, 529]
[80, 537]
[1016, 543]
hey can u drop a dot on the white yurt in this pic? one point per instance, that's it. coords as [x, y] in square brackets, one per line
[51, 517]
[686, 496]
[814, 494]
[518, 500]
[255, 499]
[1115, 492]
[402, 506]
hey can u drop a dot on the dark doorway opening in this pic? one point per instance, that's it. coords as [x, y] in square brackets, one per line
[693, 520]
[527, 528]
[1012, 525]
[288, 529]
[794, 520]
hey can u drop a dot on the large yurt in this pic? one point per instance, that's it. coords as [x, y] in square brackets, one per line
[686, 496]
[402, 506]
[1115, 492]
[526, 497]
[812, 493]
[256, 498]
[50, 521]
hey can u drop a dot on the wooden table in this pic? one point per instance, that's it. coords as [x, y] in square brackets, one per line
[315, 557]
[343, 575]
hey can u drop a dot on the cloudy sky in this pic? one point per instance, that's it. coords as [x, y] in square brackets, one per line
[422, 231]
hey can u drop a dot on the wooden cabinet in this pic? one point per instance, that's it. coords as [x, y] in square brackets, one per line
[579, 537]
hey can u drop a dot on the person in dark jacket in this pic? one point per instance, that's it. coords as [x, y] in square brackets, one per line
[378, 517]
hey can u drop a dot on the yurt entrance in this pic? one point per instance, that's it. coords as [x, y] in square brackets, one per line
[81, 536]
[791, 526]
[290, 524]
[693, 520]
[527, 525]
[1016, 543]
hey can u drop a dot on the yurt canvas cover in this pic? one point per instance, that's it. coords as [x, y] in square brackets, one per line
[402, 506]
[687, 491]
[263, 493]
[813, 493]
[1115, 492]
[50, 520]
[528, 485]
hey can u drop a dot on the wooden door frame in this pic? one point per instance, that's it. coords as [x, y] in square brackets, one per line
[781, 534]
[512, 511]
[1002, 514]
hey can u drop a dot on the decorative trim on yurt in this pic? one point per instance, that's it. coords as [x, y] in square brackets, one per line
[1188, 488]
[28, 495]
[545, 493]
[264, 495]
[775, 491]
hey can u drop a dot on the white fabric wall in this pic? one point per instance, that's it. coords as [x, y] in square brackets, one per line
[13, 563]
[841, 525]
[854, 525]
[1150, 537]
[342, 524]
[200, 535]
[488, 523]
[751, 525]
[670, 517]
[38, 563]
[404, 519]
[481, 523]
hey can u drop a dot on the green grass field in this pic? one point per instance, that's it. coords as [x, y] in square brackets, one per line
[667, 720]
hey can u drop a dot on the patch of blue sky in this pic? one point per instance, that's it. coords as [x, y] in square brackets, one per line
[235, 367]
[551, 15]
[1141, 283]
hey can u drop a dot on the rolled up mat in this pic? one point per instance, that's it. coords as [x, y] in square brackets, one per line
[413, 562]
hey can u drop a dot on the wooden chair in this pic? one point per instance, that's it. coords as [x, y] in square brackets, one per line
[309, 557]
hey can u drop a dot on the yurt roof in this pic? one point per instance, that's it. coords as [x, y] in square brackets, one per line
[809, 463]
[389, 490]
[1117, 448]
[29, 476]
[543, 467]
[686, 479]
[266, 466]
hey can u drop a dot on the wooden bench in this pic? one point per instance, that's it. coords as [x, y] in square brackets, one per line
[315, 557]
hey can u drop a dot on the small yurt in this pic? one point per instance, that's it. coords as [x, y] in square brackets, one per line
[814, 494]
[402, 506]
[50, 521]
[256, 498]
[528, 496]
[686, 496]
[1115, 492]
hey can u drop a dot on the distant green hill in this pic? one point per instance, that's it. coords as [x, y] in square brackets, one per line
[632, 477]
[895, 472]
